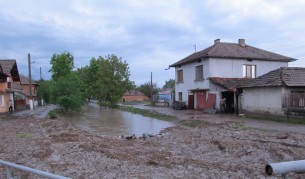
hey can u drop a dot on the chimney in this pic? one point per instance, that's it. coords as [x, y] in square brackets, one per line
[242, 42]
[216, 41]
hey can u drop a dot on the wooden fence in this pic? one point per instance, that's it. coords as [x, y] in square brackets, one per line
[294, 103]
[294, 100]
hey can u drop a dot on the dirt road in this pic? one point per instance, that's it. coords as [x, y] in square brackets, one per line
[220, 148]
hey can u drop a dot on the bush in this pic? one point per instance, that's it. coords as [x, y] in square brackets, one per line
[52, 114]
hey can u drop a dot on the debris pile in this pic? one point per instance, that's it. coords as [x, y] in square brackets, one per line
[212, 150]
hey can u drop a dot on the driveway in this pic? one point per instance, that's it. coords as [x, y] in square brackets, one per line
[219, 118]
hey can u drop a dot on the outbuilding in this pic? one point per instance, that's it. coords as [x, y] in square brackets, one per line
[279, 92]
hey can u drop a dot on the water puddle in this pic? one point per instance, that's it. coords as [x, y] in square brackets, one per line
[112, 122]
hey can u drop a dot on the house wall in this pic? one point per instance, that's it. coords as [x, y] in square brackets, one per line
[26, 89]
[262, 100]
[215, 67]
[233, 68]
[3, 86]
[4, 98]
[215, 89]
[189, 79]
[135, 98]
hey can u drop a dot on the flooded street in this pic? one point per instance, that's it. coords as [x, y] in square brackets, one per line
[112, 122]
[220, 146]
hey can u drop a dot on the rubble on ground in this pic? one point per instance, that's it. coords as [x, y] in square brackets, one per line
[210, 150]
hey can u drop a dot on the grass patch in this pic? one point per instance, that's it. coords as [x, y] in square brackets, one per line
[24, 135]
[277, 119]
[137, 102]
[53, 113]
[148, 113]
[190, 123]
[239, 126]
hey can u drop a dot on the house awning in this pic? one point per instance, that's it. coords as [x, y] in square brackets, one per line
[20, 93]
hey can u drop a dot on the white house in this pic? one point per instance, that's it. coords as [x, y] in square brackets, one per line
[205, 77]
[280, 92]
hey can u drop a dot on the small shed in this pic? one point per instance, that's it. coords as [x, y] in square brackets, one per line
[279, 92]
[164, 97]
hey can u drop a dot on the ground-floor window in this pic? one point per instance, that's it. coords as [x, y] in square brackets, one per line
[297, 99]
[180, 96]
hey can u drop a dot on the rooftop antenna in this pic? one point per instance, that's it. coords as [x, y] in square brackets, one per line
[194, 47]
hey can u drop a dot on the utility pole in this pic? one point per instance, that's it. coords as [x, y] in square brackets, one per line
[40, 74]
[30, 83]
[151, 89]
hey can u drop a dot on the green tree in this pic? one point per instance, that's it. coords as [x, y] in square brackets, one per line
[84, 75]
[69, 92]
[146, 89]
[170, 84]
[44, 90]
[109, 79]
[68, 88]
[62, 64]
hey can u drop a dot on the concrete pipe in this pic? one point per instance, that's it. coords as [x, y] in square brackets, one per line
[284, 168]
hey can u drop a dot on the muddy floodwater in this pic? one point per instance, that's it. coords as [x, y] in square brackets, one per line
[112, 122]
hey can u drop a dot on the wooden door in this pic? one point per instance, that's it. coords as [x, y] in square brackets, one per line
[201, 100]
[191, 101]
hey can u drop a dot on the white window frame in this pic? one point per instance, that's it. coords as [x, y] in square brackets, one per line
[249, 71]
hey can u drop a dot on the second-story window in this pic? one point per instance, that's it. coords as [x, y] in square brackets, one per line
[180, 76]
[199, 73]
[249, 71]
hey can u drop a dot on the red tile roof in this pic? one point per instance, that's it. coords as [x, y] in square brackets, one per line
[25, 80]
[133, 93]
[285, 76]
[233, 51]
[230, 84]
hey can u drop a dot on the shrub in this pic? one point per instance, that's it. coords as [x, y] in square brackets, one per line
[52, 114]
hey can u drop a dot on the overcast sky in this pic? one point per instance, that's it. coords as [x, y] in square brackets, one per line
[149, 35]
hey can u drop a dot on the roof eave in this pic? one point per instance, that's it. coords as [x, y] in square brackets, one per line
[231, 57]
[189, 61]
[253, 58]
[260, 86]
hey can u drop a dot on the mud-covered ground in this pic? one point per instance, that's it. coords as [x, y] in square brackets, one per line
[222, 149]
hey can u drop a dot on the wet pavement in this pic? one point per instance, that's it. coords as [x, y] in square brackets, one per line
[218, 118]
[42, 112]
[112, 122]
